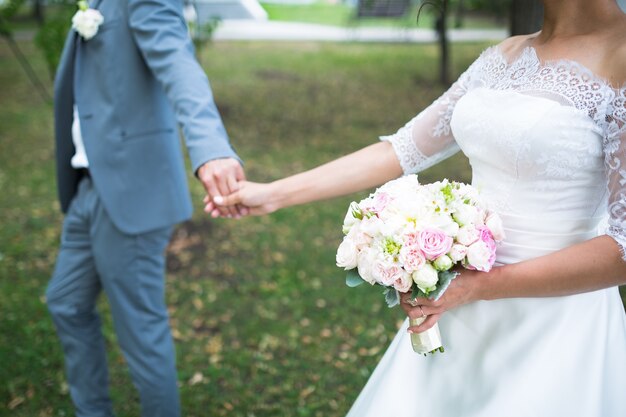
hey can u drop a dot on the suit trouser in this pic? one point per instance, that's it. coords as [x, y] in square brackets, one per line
[95, 255]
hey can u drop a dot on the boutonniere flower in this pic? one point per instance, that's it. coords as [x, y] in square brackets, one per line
[86, 21]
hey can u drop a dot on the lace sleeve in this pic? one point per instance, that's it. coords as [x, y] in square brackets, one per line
[615, 161]
[427, 138]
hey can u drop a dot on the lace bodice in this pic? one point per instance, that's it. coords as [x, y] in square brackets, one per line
[545, 139]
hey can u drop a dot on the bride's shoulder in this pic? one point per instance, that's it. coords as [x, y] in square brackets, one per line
[616, 58]
[514, 44]
[510, 47]
[610, 49]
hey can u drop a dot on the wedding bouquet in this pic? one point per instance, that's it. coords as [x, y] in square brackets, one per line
[408, 236]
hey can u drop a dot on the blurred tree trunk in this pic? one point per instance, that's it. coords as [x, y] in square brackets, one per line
[38, 11]
[441, 28]
[526, 16]
[459, 14]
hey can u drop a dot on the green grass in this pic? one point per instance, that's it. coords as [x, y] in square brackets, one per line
[258, 307]
[324, 13]
[340, 14]
[263, 322]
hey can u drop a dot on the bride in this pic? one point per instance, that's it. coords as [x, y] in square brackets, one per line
[542, 119]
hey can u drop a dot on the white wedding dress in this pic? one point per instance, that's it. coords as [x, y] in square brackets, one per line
[546, 142]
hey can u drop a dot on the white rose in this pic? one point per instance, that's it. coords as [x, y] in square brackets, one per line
[457, 252]
[478, 256]
[347, 254]
[350, 220]
[87, 22]
[426, 277]
[467, 235]
[482, 213]
[402, 186]
[468, 192]
[443, 263]
[365, 264]
[387, 273]
[372, 226]
[494, 224]
[189, 13]
[445, 223]
[394, 228]
[360, 239]
[465, 215]
[365, 203]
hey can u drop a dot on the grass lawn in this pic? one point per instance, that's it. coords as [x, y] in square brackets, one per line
[341, 14]
[264, 325]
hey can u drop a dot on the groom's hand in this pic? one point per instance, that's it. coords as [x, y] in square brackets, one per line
[221, 177]
[257, 198]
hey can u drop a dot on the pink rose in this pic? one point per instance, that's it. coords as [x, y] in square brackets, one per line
[404, 282]
[410, 239]
[378, 203]
[412, 257]
[387, 273]
[487, 237]
[484, 234]
[434, 243]
[381, 201]
[482, 254]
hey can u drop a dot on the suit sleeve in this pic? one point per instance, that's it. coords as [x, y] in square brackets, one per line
[160, 32]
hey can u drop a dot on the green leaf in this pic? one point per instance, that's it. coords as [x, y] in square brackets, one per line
[445, 277]
[353, 279]
[447, 193]
[416, 292]
[391, 297]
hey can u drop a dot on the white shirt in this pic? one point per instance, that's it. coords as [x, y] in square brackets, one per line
[79, 160]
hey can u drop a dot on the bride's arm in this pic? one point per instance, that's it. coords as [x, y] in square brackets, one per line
[584, 267]
[424, 141]
[366, 168]
[587, 266]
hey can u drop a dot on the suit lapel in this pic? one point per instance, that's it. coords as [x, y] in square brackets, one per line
[69, 50]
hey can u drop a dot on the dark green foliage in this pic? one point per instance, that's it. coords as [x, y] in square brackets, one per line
[7, 12]
[50, 37]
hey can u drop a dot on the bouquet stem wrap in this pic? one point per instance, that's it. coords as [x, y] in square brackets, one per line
[427, 341]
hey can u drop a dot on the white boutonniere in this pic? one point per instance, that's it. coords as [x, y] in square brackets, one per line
[86, 21]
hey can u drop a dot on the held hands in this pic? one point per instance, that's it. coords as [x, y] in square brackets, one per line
[221, 177]
[254, 198]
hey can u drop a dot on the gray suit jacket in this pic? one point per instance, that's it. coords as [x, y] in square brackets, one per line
[134, 83]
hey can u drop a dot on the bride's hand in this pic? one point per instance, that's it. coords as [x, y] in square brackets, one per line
[462, 290]
[258, 198]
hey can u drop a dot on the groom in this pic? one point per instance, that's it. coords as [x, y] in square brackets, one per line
[119, 99]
